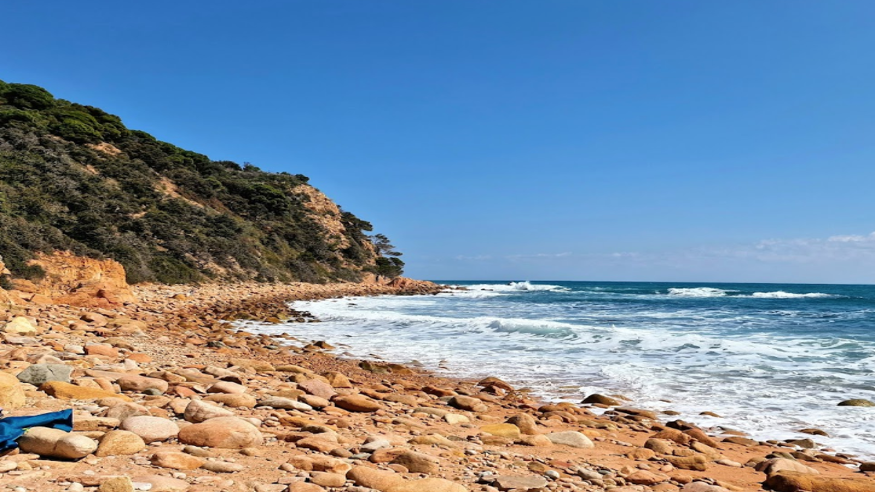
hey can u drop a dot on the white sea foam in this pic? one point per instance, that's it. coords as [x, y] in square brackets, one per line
[698, 292]
[516, 287]
[767, 384]
[788, 295]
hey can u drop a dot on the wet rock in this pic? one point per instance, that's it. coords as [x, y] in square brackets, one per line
[856, 402]
[151, 429]
[38, 374]
[55, 443]
[598, 399]
[570, 438]
[222, 432]
[120, 442]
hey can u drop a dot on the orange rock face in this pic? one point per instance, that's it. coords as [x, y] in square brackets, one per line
[83, 282]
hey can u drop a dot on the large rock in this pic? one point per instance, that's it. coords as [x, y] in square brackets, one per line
[318, 388]
[357, 403]
[20, 326]
[777, 465]
[176, 460]
[525, 422]
[508, 482]
[467, 403]
[120, 443]
[198, 411]
[151, 429]
[372, 478]
[139, 384]
[856, 402]
[222, 432]
[417, 462]
[55, 443]
[570, 438]
[85, 282]
[38, 374]
[509, 431]
[67, 391]
[11, 392]
[427, 485]
[793, 482]
[597, 399]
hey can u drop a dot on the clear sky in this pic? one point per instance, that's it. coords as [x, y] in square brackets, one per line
[688, 140]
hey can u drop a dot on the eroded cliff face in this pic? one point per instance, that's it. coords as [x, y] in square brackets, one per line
[324, 212]
[78, 281]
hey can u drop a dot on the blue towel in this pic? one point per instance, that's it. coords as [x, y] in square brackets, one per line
[11, 428]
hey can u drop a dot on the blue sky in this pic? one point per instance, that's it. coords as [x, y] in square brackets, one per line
[591, 140]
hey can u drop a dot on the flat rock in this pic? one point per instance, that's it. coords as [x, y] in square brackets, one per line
[241, 400]
[38, 374]
[176, 460]
[151, 429]
[778, 465]
[318, 388]
[20, 326]
[357, 403]
[139, 384]
[227, 387]
[162, 484]
[284, 404]
[67, 391]
[372, 478]
[570, 438]
[222, 432]
[509, 482]
[427, 485]
[509, 431]
[417, 462]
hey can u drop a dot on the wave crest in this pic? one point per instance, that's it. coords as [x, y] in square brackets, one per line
[788, 295]
[697, 292]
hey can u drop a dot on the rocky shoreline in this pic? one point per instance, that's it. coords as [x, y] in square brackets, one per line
[169, 395]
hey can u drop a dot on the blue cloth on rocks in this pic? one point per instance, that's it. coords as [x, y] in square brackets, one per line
[11, 428]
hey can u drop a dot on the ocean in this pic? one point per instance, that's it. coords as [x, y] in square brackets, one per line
[770, 359]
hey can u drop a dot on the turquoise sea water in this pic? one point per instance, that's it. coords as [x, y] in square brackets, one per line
[770, 359]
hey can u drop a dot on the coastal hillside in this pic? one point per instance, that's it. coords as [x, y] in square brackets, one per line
[75, 179]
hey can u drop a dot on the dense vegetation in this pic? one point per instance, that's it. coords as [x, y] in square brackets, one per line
[74, 178]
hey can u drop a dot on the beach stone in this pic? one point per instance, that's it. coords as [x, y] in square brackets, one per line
[509, 431]
[777, 465]
[140, 384]
[176, 460]
[703, 438]
[256, 365]
[198, 411]
[116, 484]
[570, 438]
[373, 478]
[455, 418]
[857, 402]
[317, 443]
[11, 392]
[318, 388]
[304, 487]
[789, 481]
[327, 479]
[701, 487]
[417, 462]
[242, 400]
[20, 326]
[150, 429]
[433, 440]
[427, 485]
[314, 401]
[644, 477]
[467, 403]
[525, 422]
[222, 432]
[38, 374]
[338, 380]
[67, 391]
[162, 484]
[597, 399]
[227, 387]
[743, 441]
[509, 482]
[673, 435]
[284, 404]
[696, 462]
[120, 442]
[55, 443]
[537, 440]
[223, 467]
[357, 403]
[122, 410]
[103, 349]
